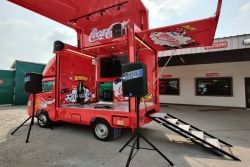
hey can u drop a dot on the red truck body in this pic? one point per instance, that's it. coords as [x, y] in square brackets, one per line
[82, 66]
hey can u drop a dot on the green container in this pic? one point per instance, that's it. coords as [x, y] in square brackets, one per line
[20, 96]
[106, 86]
[6, 86]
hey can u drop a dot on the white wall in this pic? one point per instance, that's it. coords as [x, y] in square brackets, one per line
[187, 74]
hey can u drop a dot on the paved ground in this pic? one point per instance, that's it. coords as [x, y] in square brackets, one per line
[73, 145]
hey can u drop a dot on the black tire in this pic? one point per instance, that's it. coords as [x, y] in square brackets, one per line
[46, 122]
[102, 130]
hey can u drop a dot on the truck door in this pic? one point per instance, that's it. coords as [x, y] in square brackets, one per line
[47, 97]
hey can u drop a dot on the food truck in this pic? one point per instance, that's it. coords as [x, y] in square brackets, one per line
[110, 33]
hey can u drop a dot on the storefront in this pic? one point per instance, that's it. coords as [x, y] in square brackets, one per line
[213, 76]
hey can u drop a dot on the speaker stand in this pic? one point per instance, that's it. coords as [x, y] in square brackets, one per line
[136, 140]
[31, 122]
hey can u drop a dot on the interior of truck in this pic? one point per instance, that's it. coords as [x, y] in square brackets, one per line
[93, 83]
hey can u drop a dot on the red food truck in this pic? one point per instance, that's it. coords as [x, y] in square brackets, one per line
[110, 33]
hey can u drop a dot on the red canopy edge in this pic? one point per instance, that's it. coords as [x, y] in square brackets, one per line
[185, 35]
[29, 6]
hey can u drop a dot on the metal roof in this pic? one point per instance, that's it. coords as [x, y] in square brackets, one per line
[13, 66]
[226, 56]
[219, 44]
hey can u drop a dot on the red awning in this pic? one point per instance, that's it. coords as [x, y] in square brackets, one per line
[67, 11]
[88, 14]
[184, 35]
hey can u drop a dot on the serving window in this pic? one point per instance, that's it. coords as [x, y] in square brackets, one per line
[220, 86]
[169, 87]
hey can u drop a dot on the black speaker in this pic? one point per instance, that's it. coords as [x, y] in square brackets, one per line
[33, 82]
[58, 46]
[118, 30]
[134, 80]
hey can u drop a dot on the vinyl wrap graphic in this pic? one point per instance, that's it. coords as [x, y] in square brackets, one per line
[171, 40]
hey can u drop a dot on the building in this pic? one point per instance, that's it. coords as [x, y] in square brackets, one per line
[12, 82]
[212, 76]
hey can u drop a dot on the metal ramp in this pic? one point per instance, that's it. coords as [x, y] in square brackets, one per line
[194, 134]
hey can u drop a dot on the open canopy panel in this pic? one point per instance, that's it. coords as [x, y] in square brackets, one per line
[69, 12]
[184, 35]
[92, 19]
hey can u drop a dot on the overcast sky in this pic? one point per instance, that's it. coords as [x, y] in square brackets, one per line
[27, 36]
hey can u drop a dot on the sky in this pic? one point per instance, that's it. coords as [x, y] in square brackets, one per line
[27, 36]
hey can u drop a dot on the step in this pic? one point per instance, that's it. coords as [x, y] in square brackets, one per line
[158, 115]
[172, 120]
[172, 123]
[214, 142]
[199, 134]
[184, 127]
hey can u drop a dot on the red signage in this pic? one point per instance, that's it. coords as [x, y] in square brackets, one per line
[218, 45]
[212, 74]
[167, 76]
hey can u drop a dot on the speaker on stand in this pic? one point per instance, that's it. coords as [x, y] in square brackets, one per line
[32, 85]
[134, 83]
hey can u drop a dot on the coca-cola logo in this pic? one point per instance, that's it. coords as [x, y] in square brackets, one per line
[105, 33]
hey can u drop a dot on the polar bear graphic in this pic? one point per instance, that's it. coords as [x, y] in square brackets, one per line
[171, 39]
[72, 97]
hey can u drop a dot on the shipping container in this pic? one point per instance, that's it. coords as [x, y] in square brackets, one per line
[6, 86]
[21, 68]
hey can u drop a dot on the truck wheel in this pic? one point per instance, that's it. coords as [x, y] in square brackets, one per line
[45, 123]
[102, 130]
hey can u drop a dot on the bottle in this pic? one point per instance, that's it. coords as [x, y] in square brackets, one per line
[80, 92]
